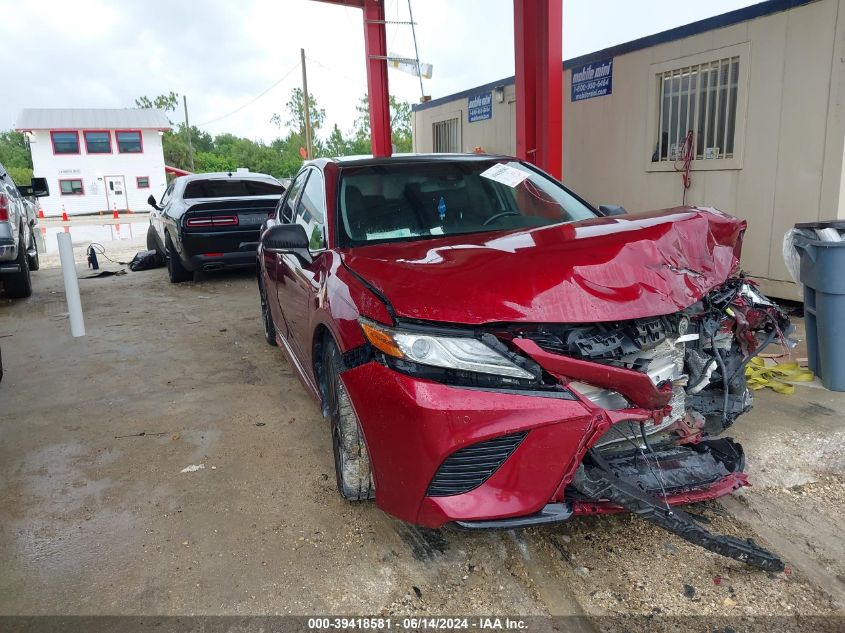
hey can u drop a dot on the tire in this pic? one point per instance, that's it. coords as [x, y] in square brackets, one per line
[175, 270]
[19, 285]
[351, 458]
[152, 243]
[266, 315]
[34, 261]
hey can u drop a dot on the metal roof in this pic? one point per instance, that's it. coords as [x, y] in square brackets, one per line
[91, 119]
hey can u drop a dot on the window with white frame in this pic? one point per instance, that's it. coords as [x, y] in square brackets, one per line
[697, 111]
[447, 135]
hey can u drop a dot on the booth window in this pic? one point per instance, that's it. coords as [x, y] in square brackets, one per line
[71, 187]
[97, 141]
[447, 136]
[143, 182]
[65, 142]
[701, 100]
[129, 142]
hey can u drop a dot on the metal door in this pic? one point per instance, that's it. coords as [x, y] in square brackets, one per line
[116, 193]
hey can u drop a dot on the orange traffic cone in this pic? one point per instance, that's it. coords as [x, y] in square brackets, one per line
[64, 216]
[115, 215]
[40, 213]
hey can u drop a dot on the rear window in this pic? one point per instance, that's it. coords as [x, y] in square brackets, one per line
[230, 188]
[419, 200]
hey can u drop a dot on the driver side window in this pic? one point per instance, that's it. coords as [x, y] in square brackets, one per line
[311, 212]
[287, 212]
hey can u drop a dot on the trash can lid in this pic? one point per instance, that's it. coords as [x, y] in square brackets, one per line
[823, 224]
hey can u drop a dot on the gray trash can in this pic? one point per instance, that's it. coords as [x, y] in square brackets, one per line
[822, 272]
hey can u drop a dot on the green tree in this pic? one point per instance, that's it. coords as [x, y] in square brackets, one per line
[295, 121]
[168, 102]
[400, 125]
[15, 156]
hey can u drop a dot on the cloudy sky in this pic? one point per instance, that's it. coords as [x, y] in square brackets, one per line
[222, 54]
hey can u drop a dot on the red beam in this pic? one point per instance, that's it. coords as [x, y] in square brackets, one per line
[375, 44]
[538, 43]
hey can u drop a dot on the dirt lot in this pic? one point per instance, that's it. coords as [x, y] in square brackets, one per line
[98, 516]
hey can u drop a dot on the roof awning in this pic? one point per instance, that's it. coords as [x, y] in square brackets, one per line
[175, 171]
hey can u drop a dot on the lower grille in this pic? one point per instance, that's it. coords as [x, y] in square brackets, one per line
[468, 468]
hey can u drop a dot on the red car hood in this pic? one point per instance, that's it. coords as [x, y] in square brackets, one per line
[604, 269]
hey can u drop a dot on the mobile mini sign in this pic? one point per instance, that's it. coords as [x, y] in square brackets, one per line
[480, 106]
[592, 80]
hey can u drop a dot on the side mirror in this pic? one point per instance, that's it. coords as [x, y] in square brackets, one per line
[152, 202]
[287, 238]
[612, 209]
[38, 188]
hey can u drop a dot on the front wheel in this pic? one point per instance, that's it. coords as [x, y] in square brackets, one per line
[351, 458]
[266, 315]
[34, 261]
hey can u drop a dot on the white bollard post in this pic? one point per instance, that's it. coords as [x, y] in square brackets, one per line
[74, 304]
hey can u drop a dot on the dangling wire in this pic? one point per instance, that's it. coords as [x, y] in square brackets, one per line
[683, 161]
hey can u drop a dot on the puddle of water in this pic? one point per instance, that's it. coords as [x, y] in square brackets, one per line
[84, 234]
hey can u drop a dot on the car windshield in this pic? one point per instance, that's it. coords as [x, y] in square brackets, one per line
[417, 200]
[231, 188]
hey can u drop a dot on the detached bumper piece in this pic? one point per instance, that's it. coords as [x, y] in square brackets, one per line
[629, 482]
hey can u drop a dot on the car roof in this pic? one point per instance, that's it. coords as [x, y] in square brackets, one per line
[406, 158]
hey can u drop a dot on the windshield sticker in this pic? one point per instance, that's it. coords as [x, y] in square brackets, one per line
[441, 207]
[505, 174]
[387, 235]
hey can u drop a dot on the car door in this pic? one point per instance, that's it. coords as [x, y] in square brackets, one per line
[155, 214]
[275, 279]
[302, 279]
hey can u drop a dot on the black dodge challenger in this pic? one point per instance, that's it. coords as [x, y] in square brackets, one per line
[211, 221]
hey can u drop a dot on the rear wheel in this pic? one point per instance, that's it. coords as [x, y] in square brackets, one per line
[351, 458]
[19, 285]
[175, 270]
[266, 315]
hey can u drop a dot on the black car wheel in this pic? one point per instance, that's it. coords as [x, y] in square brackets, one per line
[34, 261]
[19, 285]
[175, 270]
[152, 243]
[351, 459]
[266, 315]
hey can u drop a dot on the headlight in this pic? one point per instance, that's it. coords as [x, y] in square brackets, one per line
[450, 352]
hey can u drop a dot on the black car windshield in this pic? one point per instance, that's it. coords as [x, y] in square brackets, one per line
[231, 188]
[418, 200]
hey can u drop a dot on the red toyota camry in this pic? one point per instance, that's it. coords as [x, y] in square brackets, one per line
[493, 351]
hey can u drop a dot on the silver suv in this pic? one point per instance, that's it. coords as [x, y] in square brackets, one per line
[18, 248]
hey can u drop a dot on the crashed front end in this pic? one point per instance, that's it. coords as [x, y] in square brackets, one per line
[604, 417]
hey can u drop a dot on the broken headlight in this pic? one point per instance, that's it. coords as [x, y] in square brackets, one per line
[463, 353]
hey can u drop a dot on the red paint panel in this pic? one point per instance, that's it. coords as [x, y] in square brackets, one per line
[411, 426]
[604, 269]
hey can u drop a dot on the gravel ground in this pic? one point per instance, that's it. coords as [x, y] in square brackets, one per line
[96, 519]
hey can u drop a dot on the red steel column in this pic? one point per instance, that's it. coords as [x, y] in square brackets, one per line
[538, 44]
[375, 44]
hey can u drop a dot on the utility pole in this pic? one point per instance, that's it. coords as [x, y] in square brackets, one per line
[416, 51]
[188, 133]
[309, 150]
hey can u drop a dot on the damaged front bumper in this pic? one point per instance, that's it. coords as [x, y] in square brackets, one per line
[619, 432]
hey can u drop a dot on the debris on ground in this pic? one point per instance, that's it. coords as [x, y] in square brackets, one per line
[193, 468]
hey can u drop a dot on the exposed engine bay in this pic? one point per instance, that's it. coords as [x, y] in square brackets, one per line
[696, 358]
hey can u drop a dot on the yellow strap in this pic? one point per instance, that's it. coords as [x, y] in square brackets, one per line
[760, 375]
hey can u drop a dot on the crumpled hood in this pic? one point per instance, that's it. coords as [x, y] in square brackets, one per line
[603, 269]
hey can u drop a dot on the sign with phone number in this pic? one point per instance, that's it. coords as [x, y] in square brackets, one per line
[592, 80]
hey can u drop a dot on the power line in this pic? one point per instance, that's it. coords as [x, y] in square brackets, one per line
[251, 101]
